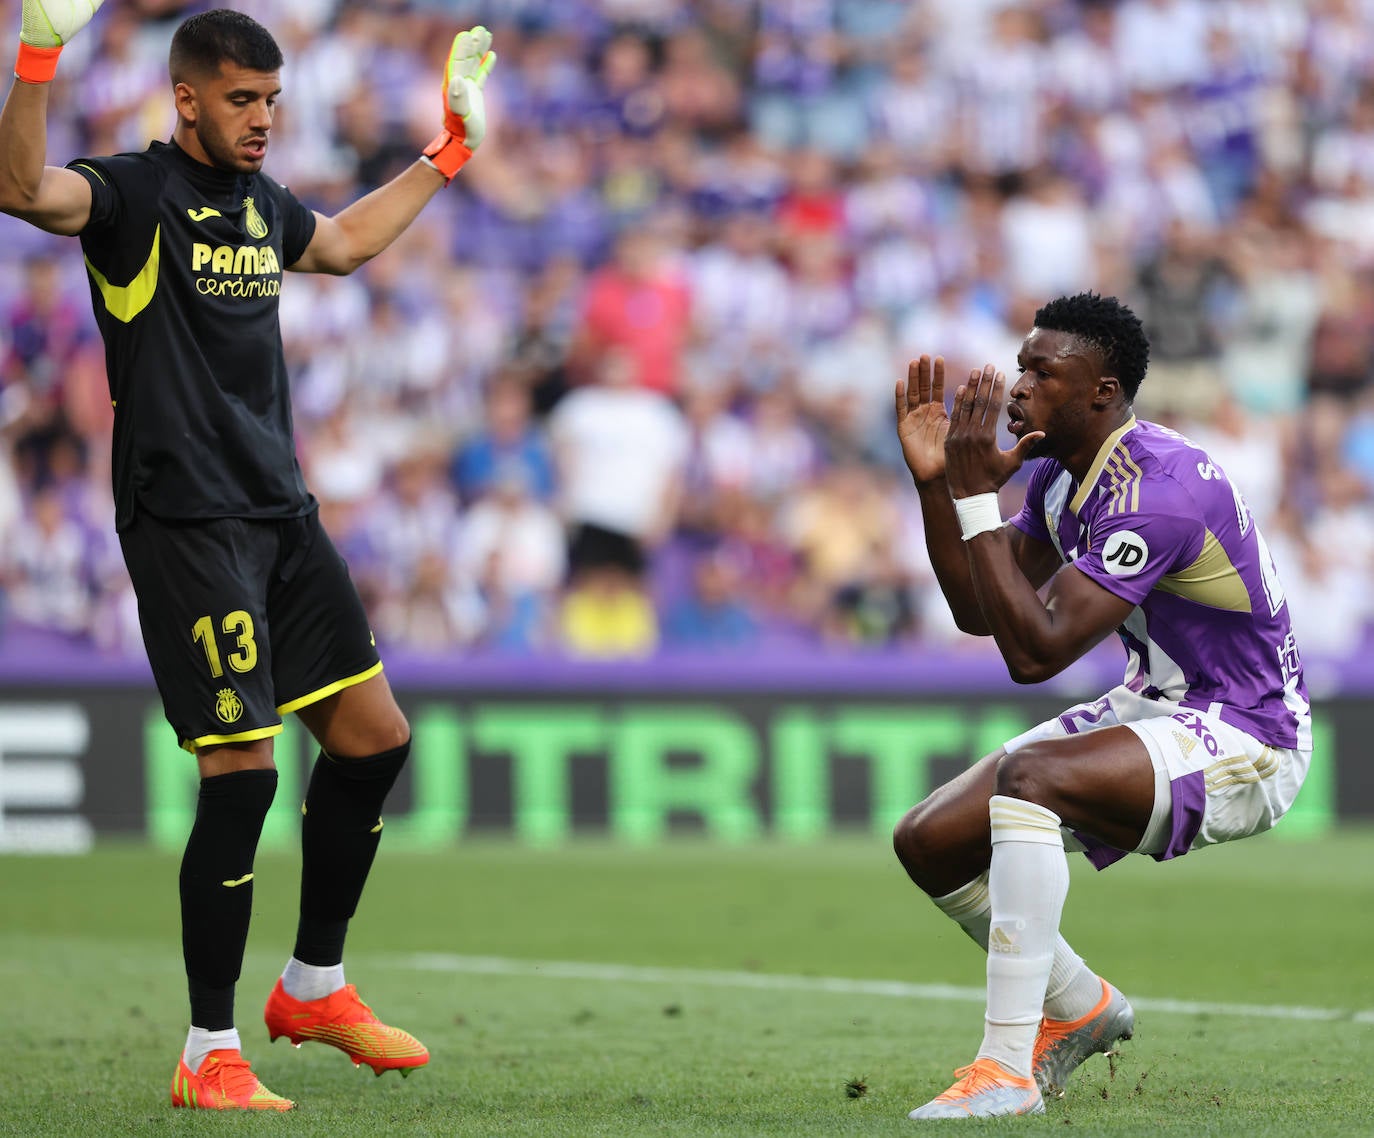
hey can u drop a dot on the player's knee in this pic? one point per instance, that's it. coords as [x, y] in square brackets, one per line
[400, 729]
[227, 758]
[380, 736]
[395, 733]
[1024, 774]
[915, 841]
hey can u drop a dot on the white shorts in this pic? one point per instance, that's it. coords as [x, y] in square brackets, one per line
[1213, 782]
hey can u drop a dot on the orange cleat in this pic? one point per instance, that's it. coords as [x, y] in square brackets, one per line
[985, 1089]
[342, 1020]
[224, 1082]
[1060, 1048]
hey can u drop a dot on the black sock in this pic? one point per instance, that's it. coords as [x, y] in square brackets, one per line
[339, 836]
[217, 889]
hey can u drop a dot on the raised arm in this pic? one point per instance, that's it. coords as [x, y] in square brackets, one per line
[357, 234]
[49, 197]
[922, 426]
[1037, 639]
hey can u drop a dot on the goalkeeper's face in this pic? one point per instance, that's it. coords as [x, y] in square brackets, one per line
[226, 118]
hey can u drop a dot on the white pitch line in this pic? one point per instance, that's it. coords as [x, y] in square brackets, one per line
[835, 985]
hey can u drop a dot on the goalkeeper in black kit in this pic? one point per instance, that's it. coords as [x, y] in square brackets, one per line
[247, 611]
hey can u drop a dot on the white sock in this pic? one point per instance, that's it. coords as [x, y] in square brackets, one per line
[1074, 989]
[1027, 883]
[199, 1043]
[311, 981]
[969, 908]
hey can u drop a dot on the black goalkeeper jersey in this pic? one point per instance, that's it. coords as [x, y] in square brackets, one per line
[185, 262]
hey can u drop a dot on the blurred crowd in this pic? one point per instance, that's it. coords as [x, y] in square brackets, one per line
[627, 384]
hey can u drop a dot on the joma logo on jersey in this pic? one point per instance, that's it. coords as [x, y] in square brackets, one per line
[235, 260]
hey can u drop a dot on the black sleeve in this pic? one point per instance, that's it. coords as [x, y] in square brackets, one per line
[298, 227]
[115, 183]
[125, 195]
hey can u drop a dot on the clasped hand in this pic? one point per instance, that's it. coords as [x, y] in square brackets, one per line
[960, 445]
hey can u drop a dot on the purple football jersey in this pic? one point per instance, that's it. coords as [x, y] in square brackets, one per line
[1157, 523]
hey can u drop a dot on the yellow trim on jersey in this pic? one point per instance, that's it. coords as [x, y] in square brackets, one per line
[93, 170]
[194, 745]
[1095, 471]
[1125, 478]
[124, 302]
[1210, 580]
[1119, 479]
[328, 690]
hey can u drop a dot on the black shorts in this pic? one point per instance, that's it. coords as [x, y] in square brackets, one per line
[244, 621]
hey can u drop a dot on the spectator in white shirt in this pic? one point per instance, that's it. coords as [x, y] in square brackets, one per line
[619, 449]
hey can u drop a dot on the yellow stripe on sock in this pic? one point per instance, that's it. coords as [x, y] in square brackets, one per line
[1015, 820]
[965, 900]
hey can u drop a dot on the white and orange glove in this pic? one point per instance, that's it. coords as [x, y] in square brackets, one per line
[48, 24]
[470, 61]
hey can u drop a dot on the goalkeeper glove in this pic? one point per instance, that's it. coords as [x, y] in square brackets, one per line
[48, 24]
[470, 61]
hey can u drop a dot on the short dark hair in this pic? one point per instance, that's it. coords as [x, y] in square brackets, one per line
[209, 39]
[1107, 325]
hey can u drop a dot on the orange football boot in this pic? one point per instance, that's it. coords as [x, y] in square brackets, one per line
[985, 1089]
[342, 1020]
[1060, 1048]
[225, 1081]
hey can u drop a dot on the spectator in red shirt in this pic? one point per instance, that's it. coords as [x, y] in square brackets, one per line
[640, 304]
[814, 203]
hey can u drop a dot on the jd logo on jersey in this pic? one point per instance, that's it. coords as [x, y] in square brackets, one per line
[1125, 553]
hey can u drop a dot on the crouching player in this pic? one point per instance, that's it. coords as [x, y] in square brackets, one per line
[1132, 529]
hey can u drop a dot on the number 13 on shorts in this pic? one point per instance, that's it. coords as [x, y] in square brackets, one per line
[239, 625]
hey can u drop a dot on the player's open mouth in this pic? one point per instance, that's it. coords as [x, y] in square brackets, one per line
[1015, 423]
[256, 147]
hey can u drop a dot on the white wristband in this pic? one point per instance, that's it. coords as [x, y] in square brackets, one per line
[978, 514]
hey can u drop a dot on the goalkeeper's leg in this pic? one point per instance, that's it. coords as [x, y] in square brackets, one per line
[216, 884]
[341, 828]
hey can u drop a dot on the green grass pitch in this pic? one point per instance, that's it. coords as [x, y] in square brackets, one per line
[699, 989]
